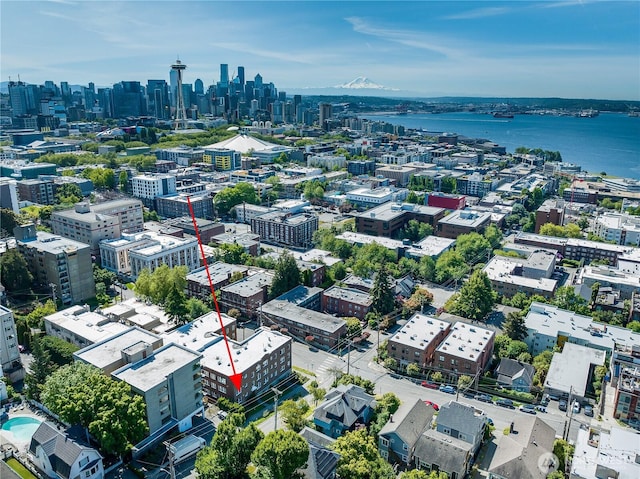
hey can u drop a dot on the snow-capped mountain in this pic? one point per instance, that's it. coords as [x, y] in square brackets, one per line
[362, 83]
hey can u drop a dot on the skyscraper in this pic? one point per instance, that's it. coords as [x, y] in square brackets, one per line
[18, 98]
[224, 75]
[158, 99]
[198, 85]
[326, 111]
[241, 75]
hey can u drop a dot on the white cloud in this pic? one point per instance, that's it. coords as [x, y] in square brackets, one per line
[479, 13]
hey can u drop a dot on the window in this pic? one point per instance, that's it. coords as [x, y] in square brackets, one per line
[384, 442]
[405, 447]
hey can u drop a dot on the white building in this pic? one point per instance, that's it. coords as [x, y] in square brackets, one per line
[621, 228]
[327, 161]
[9, 353]
[149, 187]
[114, 253]
[599, 453]
[374, 197]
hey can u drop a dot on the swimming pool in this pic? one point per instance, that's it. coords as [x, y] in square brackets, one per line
[22, 427]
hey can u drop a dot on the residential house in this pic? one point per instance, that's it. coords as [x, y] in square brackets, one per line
[397, 439]
[515, 374]
[343, 409]
[322, 461]
[526, 452]
[58, 456]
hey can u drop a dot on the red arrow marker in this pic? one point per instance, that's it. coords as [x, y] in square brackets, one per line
[236, 378]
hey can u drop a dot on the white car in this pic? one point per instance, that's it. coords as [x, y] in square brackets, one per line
[576, 407]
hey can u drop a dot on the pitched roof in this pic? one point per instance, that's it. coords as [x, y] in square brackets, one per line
[448, 453]
[61, 450]
[243, 143]
[409, 421]
[461, 417]
[322, 461]
[517, 455]
[510, 369]
[346, 404]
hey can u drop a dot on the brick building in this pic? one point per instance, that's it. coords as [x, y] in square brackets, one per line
[466, 350]
[417, 340]
[388, 218]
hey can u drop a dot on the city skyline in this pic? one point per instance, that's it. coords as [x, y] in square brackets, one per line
[569, 49]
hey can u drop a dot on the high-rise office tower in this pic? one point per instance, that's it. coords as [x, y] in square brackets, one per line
[326, 111]
[258, 81]
[198, 86]
[158, 99]
[181, 113]
[18, 98]
[224, 74]
[241, 75]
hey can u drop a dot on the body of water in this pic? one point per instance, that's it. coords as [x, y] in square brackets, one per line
[22, 427]
[609, 142]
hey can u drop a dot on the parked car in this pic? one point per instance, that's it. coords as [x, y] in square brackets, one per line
[562, 405]
[528, 408]
[483, 398]
[576, 407]
[430, 385]
[508, 403]
[433, 405]
[447, 389]
[541, 408]
[588, 410]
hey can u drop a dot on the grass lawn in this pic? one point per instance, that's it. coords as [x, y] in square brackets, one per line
[22, 471]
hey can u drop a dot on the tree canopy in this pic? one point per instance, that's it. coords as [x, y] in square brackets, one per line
[233, 196]
[14, 272]
[286, 277]
[359, 457]
[82, 394]
[382, 295]
[281, 453]
[476, 298]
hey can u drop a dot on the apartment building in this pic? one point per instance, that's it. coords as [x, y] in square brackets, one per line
[37, 191]
[389, 218]
[551, 211]
[417, 340]
[220, 273]
[149, 187]
[322, 329]
[284, 229]
[576, 249]
[466, 350]
[91, 224]
[206, 229]
[463, 222]
[176, 205]
[61, 264]
[10, 363]
[346, 302]
[247, 295]
[263, 359]
[622, 228]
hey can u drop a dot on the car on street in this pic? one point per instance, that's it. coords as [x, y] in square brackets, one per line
[447, 389]
[562, 405]
[588, 410]
[541, 408]
[483, 398]
[433, 405]
[430, 385]
[508, 403]
[528, 408]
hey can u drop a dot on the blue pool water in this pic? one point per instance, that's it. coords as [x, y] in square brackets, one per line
[22, 427]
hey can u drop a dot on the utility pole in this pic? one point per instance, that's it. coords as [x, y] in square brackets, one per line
[277, 394]
[172, 469]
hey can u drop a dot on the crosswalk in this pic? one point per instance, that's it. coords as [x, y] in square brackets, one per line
[325, 369]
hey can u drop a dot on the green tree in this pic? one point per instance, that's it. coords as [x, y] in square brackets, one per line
[233, 196]
[501, 345]
[427, 268]
[448, 184]
[339, 271]
[420, 298]
[82, 394]
[286, 275]
[450, 265]
[464, 382]
[230, 450]
[8, 221]
[564, 452]
[316, 391]
[382, 296]
[294, 413]
[476, 298]
[359, 457]
[516, 348]
[280, 453]
[196, 308]
[566, 297]
[60, 351]
[473, 247]
[14, 272]
[68, 193]
[420, 474]
[232, 253]
[437, 377]
[493, 236]
[101, 275]
[413, 369]
[40, 369]
[175, 306]
[514, 326]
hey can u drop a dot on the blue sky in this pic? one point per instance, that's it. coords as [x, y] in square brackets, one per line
[570, 49]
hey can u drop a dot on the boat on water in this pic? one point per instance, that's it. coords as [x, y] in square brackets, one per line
[590, 113]
[500, 114]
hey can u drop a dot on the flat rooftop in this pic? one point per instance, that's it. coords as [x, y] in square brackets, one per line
[617, 450]
[390, 210]
[245, 354]
[466, 341]
[501, 269]
[250, 285]
[90, 326]
[218, 271]
[569, 370]
[199, 333]
[54, 244]
[348, 294]
[467, 218]
[154, 370]
[307, 317]
[419, 331]
[552, 321]
[105, 353]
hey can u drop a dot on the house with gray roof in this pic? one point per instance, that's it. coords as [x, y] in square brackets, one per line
[397, 439]
[322, 461]
[463, 422]
[515, 374]
[520, 454]
[343, 409]
[436, 451]
[58, 456]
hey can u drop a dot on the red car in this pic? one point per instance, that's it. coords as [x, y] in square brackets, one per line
[426, 384]
[433, 405]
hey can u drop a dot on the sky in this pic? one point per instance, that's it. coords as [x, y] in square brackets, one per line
[567, 49]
